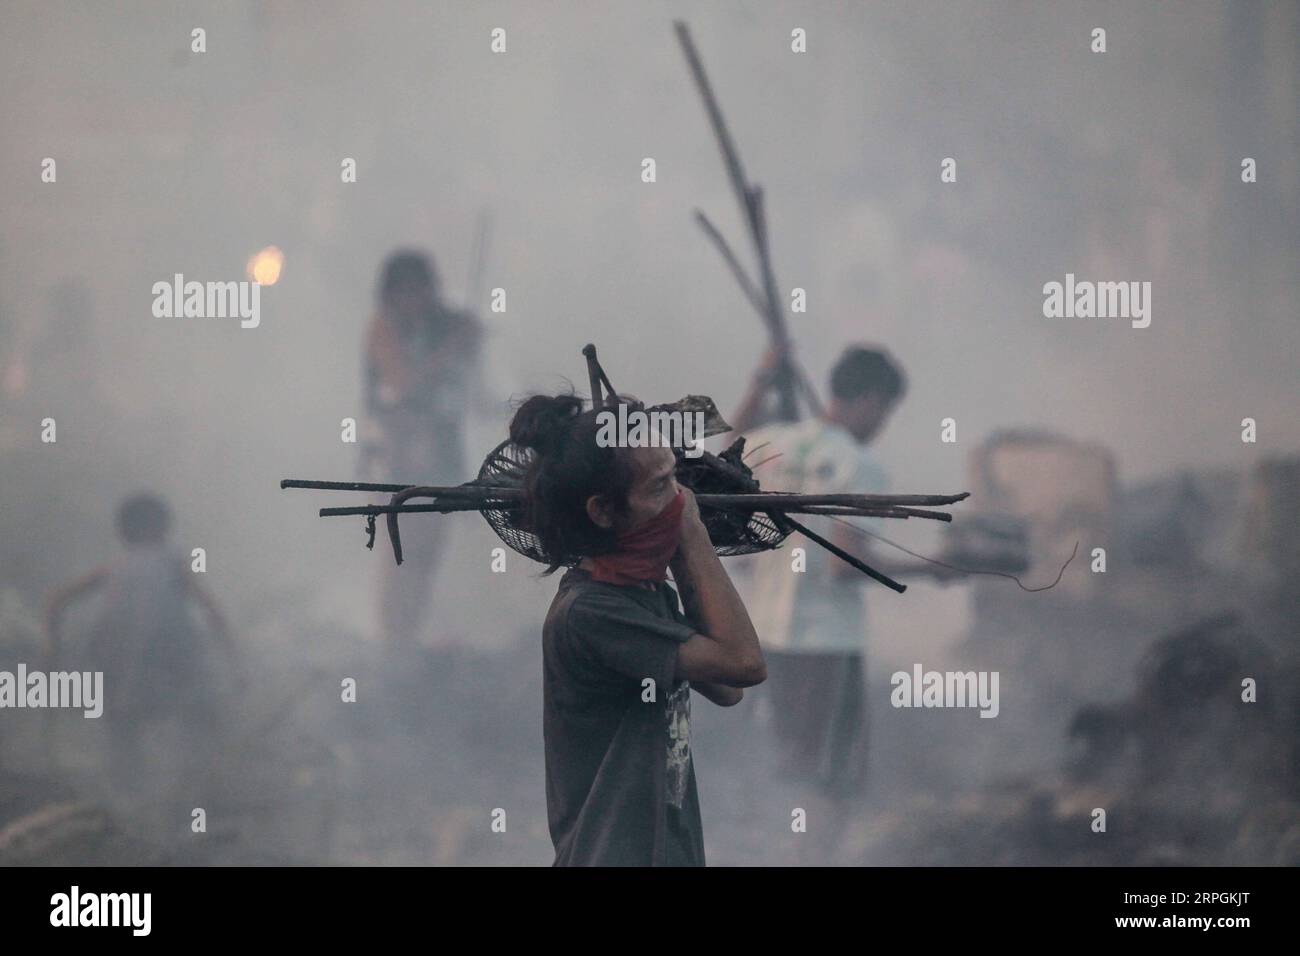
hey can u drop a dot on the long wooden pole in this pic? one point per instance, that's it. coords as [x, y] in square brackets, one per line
[788, 380]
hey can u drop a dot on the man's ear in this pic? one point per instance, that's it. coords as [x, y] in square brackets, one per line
[600, 512]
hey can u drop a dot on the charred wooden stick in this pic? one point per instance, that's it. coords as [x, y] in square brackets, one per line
[788, 374]
[809, 393]
[750, 197]
[487, 504]
[341, 485]
[758, 301]
[467, 490]
[744, 195]
[778, 507]
[437, 508]
[731, 158]
[840, 553]
[596, 376]
[593, 377]
[859, 512]
[763, 500]
[758, 226]
[754, 296]
[752, 500]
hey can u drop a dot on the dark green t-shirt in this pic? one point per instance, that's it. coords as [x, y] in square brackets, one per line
[620, 782]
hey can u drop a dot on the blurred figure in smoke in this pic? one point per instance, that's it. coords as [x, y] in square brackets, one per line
[421, 357]
[161, 690]
[813, 624]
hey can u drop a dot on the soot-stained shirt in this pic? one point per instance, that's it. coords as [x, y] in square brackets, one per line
[620, 782]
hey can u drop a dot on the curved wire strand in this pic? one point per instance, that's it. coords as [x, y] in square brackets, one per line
[953, 567]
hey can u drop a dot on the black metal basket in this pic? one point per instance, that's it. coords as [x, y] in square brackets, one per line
[732, 531]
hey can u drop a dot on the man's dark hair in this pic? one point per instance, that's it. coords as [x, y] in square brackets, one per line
[143, 518]
[406, 266]
[861, 371]
[568, 467]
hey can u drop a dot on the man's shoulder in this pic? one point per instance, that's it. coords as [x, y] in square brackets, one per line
[583, 608]
[572, 586]
[580, 594]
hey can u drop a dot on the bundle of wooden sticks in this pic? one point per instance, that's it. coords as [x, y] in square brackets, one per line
[740, 517]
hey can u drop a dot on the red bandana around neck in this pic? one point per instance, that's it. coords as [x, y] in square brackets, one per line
[644, 552]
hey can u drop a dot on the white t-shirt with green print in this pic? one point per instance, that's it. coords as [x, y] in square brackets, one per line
[811, 610]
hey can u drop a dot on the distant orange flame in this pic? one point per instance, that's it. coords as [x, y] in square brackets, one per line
[264, 267]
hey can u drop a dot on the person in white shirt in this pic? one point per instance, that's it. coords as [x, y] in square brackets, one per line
[812, 622]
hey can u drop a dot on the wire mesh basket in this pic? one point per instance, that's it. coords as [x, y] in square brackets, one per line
[732, 532]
